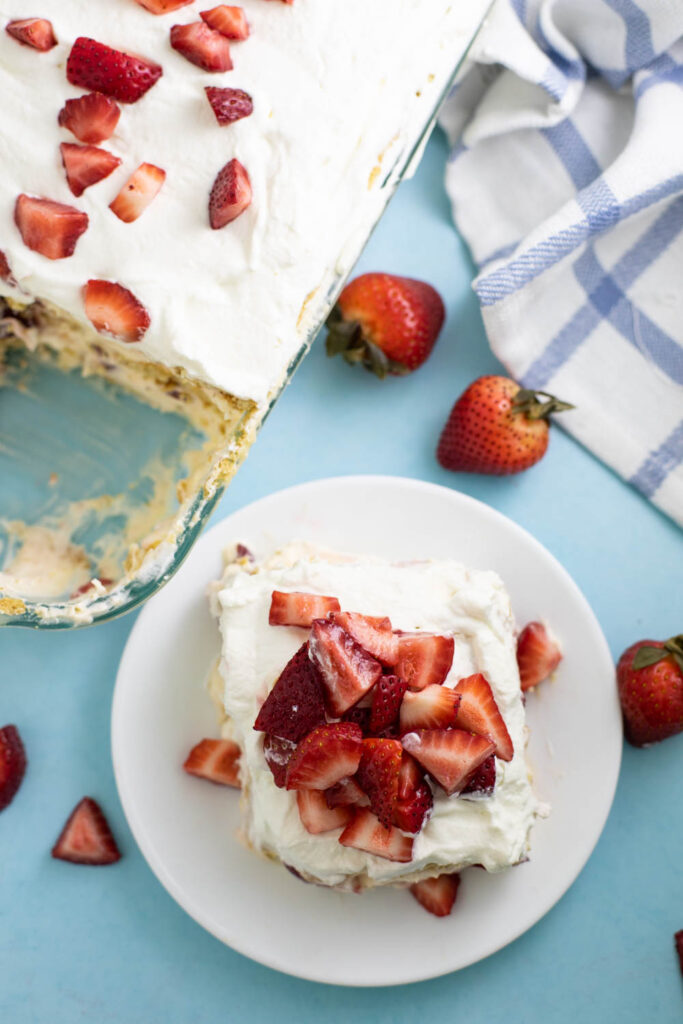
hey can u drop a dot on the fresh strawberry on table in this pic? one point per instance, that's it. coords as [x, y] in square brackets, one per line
[388, 324]
[497, 427]
[650, 681]
[12, 764]
[86, 838]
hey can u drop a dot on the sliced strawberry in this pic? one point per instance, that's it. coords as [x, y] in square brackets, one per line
[348, 671]
[231, 22]
[409, 777]
[537, 655]
[229, 104]
[432, 708]
[327, 755]
[411, 813]
[12, 764]
[299, 609]
[86, 165]
[424, 659]
[91, 118]
[230, 194]
[199, 44]
[479, 713]
[346, 793]
[483, 779]
[163, 6]
[114, 310]
[437, 895]
[366, 832]
[449, 755]
[86, 838]
[215, 760]
[278, 754]
[316, 816]
[678, 942]
[359, 715]
[99, 68]
[386, 702]
[35, 32]
[5, 269]
[295, 705]
[374, 634]
[138, 192]
[377, 776]
[50, 228]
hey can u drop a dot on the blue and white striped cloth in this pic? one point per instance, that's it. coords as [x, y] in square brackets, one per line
[566, 179]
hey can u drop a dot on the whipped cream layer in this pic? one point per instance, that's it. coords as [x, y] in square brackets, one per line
[340, 91]
[440, 597]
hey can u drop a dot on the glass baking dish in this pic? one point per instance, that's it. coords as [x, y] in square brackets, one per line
[102, 496]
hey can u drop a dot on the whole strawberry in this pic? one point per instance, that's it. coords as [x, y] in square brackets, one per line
[497, 427]
[650, 681]
[388, 324]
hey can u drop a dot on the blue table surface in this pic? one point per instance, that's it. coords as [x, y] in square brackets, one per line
[110, 945]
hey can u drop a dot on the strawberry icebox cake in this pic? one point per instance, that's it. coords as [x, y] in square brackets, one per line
[373, 717]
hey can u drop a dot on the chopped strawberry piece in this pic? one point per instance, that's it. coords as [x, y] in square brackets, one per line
[299, 609]
[199, 44]
[138, 192]
[89, 587]
[5, 270]
[163, 6]
[86, 165]
[411, 813]
[432, 708]
[437, 895]
[346, 793]
[86, 838]
[229, 104]
[113, 309]
[537, 655]
[91, 118]
[215, 760]
[50, 228]
[347, 671]
[34, 32]
[230, 194]
[366, 832]
[409, 777]
[231, 22]
[12, 764]
[678, 940]
[373, 634]
[386, 702]
[316, 816]
[295, 705]
[483, 779]
[359, 715]
[377, 776]
[479, 713]
[278, 754]
[328, 754]
[424, 659]
[99, 68]
[449, 755]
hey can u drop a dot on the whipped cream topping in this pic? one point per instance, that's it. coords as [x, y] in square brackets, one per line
[340, 92]
[435, 596]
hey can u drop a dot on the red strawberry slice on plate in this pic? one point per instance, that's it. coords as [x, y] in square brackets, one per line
[537, 655]
[199, 44]
[317, 816]
[377, 776]
[86, 838]
[86, 165]
[434, 707]
[34, 32]
[113, 309]
[231, 22]
[386, 702]
[449, 755]
[373, 634]
[99, 68]
[483, 779]
[215, 760]
[138, 192]
[50, 228]
[347, 671]
[437, 895]
[163, 6]
[479, 713]
[278, 754]
[91, 118]
[299, 609]
[327, 755]
[424, 659]
[229, 105]
[366, 832]
[230, 195]
[295, 705]
[12, 764]
[415, 805]
[346, 793]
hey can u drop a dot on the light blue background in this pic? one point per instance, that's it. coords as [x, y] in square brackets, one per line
[110, 945]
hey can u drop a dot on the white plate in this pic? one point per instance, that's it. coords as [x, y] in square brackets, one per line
[186, 830]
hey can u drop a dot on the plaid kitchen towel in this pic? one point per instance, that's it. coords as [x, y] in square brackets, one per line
[566, 179]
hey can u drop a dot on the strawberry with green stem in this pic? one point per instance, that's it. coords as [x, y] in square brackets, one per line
[650, 682]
